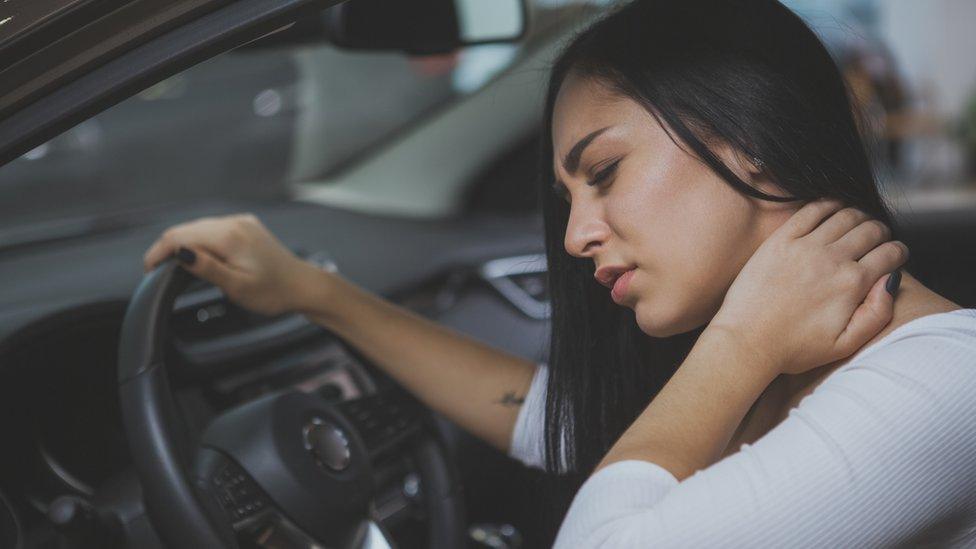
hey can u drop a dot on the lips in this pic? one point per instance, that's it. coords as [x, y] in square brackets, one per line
[620, 286]
[608, 275]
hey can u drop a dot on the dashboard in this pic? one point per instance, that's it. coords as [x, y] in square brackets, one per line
[60, 418]
[62, 304]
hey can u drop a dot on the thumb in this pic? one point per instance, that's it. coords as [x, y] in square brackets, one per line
[872, 315]
[206, 266]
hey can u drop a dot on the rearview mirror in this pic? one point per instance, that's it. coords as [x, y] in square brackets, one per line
[424, 26]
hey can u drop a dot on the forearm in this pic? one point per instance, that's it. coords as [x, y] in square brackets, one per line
[477, 386]
[691, 421]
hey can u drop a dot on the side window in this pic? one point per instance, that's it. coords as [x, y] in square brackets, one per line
[241, 125]
[909, 69]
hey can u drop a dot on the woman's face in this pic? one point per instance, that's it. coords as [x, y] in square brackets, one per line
[653, 207]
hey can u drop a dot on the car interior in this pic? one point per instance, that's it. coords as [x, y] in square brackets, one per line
[412, 174]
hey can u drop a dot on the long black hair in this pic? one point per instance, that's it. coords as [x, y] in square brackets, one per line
[747, 73]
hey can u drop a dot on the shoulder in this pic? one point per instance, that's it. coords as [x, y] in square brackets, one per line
[931, 355]
[906, 400]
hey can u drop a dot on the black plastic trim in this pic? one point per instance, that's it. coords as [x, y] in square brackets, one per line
[166, 55]
[75, 42]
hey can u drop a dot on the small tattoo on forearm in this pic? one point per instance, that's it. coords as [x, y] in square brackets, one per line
[510, 399]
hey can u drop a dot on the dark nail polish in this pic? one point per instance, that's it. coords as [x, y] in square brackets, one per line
[186, 256]
[893, 282]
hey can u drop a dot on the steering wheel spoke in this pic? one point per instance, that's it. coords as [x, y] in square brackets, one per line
[234, 490]
[386, 421]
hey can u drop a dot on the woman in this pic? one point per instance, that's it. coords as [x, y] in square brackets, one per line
[702, 161]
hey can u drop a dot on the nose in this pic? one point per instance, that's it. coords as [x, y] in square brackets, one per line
[586, 230]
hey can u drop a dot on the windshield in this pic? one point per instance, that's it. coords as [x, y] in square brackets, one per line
[239, 126]
[249, 123]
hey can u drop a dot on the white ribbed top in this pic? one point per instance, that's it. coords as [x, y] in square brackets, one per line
[882, 453]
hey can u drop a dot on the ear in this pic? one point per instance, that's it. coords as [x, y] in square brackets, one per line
[751, 170]
[760, 180]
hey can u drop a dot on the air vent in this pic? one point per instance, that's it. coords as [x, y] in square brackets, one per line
[522, 281]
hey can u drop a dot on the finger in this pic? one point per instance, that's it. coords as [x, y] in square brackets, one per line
[160, 250]
[860, 240]
[884, 258]
[809, 216]
[208, 267]
[167, 244]
[205, 233]
[838, 225]
[868, 319]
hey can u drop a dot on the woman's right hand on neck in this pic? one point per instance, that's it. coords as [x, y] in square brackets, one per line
[242, 257]
[814, 291]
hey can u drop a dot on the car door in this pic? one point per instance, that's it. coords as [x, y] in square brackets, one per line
[61, 62]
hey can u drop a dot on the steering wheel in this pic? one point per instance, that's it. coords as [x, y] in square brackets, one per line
[289, 466]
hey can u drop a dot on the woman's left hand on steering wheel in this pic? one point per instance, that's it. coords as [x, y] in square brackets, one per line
[814, 291]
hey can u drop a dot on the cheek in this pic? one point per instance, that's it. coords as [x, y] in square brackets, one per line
[685, 227]
[690, 236]
[643, 213]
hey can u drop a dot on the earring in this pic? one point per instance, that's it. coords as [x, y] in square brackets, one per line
[758, 162]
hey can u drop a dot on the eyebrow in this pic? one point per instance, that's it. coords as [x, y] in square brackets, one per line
[572, 159]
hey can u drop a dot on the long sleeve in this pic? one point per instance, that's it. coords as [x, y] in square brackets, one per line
[882, 453]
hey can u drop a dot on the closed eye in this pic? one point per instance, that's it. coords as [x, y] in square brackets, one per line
[604, 173]
[560, 190]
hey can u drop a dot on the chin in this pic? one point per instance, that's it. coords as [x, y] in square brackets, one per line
[661, 321]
